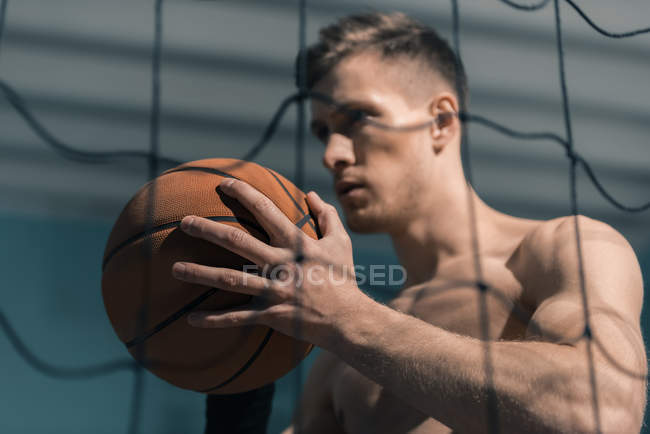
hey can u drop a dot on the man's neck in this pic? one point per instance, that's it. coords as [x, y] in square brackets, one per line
[443, 233]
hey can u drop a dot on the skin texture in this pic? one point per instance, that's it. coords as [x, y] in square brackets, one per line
[418, 364]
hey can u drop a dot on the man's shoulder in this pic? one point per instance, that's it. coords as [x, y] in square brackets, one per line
[548, 254]
[553, 243]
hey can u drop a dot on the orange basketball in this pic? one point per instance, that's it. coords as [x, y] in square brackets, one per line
[148, 307]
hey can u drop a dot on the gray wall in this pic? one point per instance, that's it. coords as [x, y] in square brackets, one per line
[84, 68]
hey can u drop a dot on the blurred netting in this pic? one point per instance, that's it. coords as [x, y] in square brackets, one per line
[156, 163]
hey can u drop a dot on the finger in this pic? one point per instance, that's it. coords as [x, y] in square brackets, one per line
[225, 318]
[233, 239]
[222, 278]
[274, 221]
[327, 216]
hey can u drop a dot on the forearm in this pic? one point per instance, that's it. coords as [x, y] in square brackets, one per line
[539, 387]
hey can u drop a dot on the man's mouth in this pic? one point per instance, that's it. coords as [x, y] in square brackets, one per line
[345, 187]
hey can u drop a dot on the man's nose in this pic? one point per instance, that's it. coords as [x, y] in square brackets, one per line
[339, 152]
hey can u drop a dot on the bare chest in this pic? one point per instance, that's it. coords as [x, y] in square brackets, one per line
[456, 305]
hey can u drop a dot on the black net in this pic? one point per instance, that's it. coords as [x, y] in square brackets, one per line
[157, 163]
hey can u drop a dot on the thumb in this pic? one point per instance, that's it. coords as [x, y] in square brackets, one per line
[328, 218]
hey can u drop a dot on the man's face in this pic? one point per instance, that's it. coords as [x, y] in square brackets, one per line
[380, 176]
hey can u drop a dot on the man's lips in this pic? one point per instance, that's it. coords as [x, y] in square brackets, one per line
[343, 187]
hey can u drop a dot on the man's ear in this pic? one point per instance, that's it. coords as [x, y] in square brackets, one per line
[444, 110]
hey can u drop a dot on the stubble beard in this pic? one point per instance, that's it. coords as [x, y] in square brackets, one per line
[377, 216]
[368, 219]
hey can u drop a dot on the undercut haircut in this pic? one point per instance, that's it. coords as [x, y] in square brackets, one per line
[391, 35]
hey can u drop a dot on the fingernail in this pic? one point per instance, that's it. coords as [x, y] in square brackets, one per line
[187, 223]
[227, 182]
[178, 269]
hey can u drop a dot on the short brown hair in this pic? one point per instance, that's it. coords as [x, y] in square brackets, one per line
[392, 35]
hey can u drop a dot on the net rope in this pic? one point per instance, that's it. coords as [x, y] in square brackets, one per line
[156, 162]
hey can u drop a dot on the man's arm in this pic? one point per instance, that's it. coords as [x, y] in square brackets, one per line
[539, 386]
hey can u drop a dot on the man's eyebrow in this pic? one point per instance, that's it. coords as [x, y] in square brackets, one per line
[342, 107]
[348, 104]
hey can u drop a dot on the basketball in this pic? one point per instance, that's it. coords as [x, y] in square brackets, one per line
[147, 307]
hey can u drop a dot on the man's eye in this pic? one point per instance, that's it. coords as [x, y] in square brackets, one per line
[345, 122]
[354, 116]
[352, 119]
[322, 133]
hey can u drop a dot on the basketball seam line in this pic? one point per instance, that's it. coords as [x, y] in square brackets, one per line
[245, 366]
[201, 169]
[173, 317]
[184, 310]
[305, 216]
[228, 175]
[176, 315]
[176, 223]
[305, 219]
[295, 202]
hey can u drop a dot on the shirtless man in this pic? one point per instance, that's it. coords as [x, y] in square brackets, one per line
[418, 364]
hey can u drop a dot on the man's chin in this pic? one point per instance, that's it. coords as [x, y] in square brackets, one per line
[363, 224]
